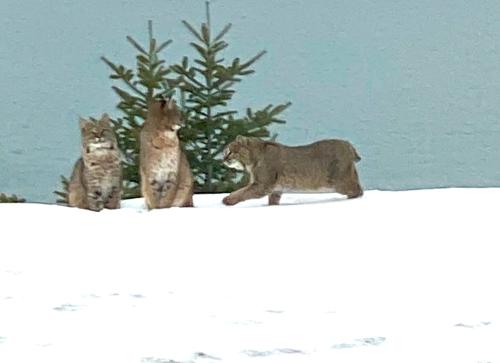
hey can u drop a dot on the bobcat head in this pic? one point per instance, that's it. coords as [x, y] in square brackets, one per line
[242, 152]
[98, 136]
[165, 116]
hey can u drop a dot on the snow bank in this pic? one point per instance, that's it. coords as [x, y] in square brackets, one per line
[391, 277]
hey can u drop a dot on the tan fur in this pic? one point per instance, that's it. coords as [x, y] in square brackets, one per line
[96, 181]
[324, 166]
[166, 178]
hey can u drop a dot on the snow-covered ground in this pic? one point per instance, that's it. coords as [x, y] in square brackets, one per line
[391, 277]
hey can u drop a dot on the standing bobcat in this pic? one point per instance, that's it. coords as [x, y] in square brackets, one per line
[166, 178]
[324, 166]
[96, 181]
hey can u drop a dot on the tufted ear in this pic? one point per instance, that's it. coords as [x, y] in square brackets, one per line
[241, 139]
[84, 123]
[171, 104]
[105, 120]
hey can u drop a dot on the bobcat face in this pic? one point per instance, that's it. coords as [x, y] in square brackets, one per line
[237, 154]
[166, 117]
[98, 136]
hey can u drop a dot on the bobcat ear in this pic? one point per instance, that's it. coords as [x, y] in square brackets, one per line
[243, 140]
[105, 120]
[84, 123]
[171, 104]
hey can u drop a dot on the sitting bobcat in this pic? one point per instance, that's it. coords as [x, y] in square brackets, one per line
[96, 181]
[324, 166]
[166, 178]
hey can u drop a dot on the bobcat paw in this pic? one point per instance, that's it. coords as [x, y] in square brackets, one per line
[229, 200]
[96, 207]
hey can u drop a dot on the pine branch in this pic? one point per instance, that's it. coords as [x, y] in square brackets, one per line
[223, 32]
[63, 194]
[192, 30]
[163, 45]
[136, 45]
[125, 80]
[4, 198]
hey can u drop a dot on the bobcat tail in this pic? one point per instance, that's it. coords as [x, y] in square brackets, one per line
[355, 154]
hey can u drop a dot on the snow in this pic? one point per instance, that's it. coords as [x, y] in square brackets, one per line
[391, 277]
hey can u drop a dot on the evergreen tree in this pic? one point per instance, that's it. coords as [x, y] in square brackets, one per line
[206, 90]
[4, 198]
[62, 195]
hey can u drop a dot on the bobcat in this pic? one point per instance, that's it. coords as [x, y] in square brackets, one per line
[96, 181]
[324, 166]
[166, 178]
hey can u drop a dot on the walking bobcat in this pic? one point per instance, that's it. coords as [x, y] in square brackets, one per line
[323, 166]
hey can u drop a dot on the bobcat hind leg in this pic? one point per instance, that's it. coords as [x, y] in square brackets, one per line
[274, 198]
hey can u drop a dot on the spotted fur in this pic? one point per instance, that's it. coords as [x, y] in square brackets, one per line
[96, 181]
[323, 166]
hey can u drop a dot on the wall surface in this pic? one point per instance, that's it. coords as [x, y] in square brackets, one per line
[414, 85]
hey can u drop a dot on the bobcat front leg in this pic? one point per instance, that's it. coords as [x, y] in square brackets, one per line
[167, 191]
[94, 198]
[113, 201]
[184, 192]
[183, 195]
[148, 191]
[251, 191]
[152, 190]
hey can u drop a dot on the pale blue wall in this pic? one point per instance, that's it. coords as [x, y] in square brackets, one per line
[415, 85]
